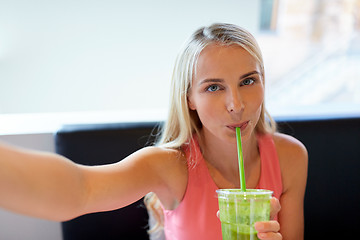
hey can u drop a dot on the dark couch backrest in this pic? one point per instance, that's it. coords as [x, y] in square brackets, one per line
[332, 193]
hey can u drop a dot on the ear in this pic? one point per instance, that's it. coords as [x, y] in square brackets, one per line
[191, 104]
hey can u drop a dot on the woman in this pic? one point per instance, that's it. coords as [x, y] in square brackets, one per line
[218, 84]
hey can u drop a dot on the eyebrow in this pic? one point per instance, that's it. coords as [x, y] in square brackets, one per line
[218, 80]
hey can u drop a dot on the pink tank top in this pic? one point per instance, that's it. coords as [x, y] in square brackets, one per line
[195, 217]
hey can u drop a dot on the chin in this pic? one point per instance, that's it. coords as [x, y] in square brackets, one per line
[248, 134]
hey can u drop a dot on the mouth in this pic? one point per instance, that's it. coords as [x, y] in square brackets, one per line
[242, 126]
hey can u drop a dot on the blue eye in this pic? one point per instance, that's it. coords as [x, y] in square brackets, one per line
[213, 88]
[247, 81]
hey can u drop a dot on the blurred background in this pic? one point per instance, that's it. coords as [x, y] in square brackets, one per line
[312, 55]
[80, 56]
[85, 61]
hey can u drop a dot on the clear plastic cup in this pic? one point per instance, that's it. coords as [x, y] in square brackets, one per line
[240, 210]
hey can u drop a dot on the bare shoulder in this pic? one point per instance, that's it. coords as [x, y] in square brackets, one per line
[162, 157]
[289, 147]
[293, 158]
[159, 160]
[171, 167]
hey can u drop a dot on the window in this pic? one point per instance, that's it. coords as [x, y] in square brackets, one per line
[312, 57]
[268, 14]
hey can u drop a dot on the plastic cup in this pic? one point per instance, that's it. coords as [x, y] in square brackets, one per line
[240, 210]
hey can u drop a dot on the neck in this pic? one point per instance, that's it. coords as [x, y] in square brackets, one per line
[223, 156]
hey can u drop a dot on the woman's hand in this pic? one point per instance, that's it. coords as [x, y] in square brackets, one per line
[270, 229]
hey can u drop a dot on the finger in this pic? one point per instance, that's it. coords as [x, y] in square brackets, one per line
[268, 226]
[275, 207]
[218, 214]
[270, 236]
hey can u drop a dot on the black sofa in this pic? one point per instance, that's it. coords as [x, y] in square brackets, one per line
[332, 194]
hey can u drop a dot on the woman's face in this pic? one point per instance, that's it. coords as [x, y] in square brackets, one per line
[227, 92]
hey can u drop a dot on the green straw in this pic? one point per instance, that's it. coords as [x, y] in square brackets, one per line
[241, 160]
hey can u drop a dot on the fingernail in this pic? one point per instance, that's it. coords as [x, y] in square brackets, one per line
[261, 235]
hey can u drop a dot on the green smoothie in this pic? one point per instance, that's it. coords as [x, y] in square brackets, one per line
[231, 231]
[240, 210]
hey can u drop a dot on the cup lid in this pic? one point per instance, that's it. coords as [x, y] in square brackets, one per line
[236, 191]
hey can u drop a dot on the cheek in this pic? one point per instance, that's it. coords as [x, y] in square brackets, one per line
[207, 110]
[257, 102]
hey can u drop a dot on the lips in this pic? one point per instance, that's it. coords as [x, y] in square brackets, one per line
[242, 126]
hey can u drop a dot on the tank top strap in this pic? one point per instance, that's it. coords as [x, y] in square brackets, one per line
[195, 216]
[270, 176]
[197, 168]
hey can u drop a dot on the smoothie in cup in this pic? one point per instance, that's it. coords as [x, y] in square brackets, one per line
[239, 211]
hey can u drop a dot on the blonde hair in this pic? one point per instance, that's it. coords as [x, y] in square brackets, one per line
[182, 122]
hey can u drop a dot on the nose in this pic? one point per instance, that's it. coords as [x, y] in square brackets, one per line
[235, 103]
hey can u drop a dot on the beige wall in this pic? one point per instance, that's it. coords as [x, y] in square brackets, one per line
[96, 55]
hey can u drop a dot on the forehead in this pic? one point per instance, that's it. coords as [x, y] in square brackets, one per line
[216, 58]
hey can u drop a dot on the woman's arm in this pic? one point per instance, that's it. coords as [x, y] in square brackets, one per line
[293, 159]
[40, 184]
[49, 186]
[150, 169]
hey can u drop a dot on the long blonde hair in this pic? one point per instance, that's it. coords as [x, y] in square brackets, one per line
[182, 122]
